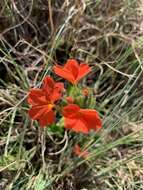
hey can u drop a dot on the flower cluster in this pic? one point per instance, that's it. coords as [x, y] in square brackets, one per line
[51, 100]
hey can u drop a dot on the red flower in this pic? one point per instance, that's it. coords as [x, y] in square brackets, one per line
[69, 99]
[42, 101]
[72, 71]
[77, 150]
[81, 120]
[85, 92]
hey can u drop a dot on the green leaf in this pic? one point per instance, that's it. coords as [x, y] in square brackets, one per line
[56, 129]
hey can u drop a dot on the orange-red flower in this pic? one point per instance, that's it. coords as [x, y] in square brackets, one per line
[81, 120]
[85, 91]
[72, 70]
[69, 99]
[42, 101]
[77, 151]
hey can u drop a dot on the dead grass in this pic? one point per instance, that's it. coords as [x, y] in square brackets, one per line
[34, 35]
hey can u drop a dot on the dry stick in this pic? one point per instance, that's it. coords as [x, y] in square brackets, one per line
[25, 19]
[35, 48]
[51, 16]
[108, 65]
[4, 168]
[71, 13]
[65, 4]
[60, 151]
[120, 72]
[43, 148]
[60, 142]
[137, 57]
[9, 133]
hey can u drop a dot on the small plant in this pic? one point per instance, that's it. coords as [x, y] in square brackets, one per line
[55, 105]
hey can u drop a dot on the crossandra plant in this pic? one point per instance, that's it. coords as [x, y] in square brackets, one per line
[55, 105]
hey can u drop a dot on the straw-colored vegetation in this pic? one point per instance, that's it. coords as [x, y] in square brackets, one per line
[107, 34]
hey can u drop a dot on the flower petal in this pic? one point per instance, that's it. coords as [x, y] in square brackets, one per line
[57, 91]
[77, 150]
[76, 125]
[47, 118]
[64, 73]
[71, 110]
[72, 71]
[84, 69]
[36, 96]
[91, 118]
[48, 85]
[81, 153]
[73, 66]
[80, 126]
[36, 111]
[43, 114]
